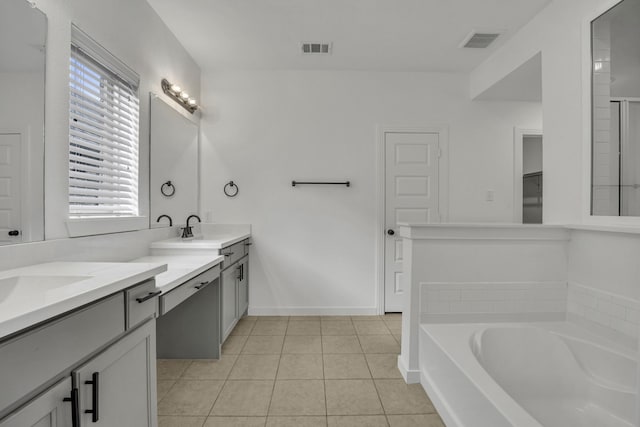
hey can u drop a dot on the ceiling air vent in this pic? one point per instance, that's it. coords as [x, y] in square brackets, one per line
[480, 40]
[313, 48]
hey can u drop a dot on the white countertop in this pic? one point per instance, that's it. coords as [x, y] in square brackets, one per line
[213, 242]
[180, 268]
[33, 294]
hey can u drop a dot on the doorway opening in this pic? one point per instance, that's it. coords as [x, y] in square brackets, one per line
[528, 176]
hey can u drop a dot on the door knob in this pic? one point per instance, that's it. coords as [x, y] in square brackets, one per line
[14, 233]
[390, 232]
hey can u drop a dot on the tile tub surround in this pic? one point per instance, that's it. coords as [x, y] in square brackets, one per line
[528, 261]
[607, 312]
[313, 371]
[507, 301]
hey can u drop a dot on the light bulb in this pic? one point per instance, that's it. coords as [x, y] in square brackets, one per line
[192, 101]
[175, 89]
[184, 95]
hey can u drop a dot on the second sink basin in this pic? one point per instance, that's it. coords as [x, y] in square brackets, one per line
[23, 287]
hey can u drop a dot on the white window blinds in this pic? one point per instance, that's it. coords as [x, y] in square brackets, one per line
[103, 135]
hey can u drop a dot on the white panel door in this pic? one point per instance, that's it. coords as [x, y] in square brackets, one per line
[411, 196]
[10, 188]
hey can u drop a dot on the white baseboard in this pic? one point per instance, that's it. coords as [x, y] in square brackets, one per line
[313, 311]
[410, 376]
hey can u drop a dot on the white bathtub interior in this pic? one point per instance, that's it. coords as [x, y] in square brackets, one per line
[552, 374]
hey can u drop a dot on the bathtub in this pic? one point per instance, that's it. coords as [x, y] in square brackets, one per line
[527, 375]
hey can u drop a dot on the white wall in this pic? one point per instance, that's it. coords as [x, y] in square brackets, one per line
[131, 30]
[314, 246]
[531, 154]
[557, 33]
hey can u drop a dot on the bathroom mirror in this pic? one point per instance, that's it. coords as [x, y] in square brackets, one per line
[615, 169]
[23, 32]
[174, 164]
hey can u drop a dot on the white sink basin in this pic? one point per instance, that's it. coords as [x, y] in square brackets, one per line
[22, 287]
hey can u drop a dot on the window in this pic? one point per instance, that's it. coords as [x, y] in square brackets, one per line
[103, 133]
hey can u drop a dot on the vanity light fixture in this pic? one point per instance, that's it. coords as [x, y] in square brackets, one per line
[176, 93]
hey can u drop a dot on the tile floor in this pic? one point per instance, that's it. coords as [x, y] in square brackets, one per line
[297, 372]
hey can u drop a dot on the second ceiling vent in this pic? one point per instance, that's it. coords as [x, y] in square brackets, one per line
[315, 48]
[480, 39]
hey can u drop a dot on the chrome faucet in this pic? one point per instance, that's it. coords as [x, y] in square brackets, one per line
[165, 216]
[187, 230]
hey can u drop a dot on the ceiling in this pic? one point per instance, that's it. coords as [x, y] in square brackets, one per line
[380, 35]
[522, 84]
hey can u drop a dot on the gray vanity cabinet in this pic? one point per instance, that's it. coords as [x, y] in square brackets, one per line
[229, 301]
[117, 386]
[235, 285]
[47, 410]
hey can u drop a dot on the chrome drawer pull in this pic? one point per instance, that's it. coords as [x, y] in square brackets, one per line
[201, 285]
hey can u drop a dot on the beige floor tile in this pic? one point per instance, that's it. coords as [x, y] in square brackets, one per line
[304, 327]
[341, 344]
[244, 398]
[190, 397]
[302, 345]
[234, 344]
[300, 367]
[310, 421]
[381, 344]
[366, 317]
[163, 388]
[273, 318]
[395, 326]
[268, 327]
[335, 318]
[352, 397]
[235, 422]
[249, 319]
[304, 318]
[257, 344]
[345, 366]
[298, 397]
[431, 420]
[371, 327]
[171, 369]
[255, 367]
[338, 327]
[172, 421]
[210, 369]
[384, 366]
[399, 398]
[358, 421]
[243, 328]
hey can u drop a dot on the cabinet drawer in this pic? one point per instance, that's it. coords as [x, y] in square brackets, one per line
[174, 297]
[233, 253]
[142, 303]
[35, 357]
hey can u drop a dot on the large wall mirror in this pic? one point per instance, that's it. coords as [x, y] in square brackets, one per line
[23, 32]
[174, 165]
[615, 52]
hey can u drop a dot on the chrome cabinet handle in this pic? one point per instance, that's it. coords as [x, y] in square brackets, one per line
[228, 254]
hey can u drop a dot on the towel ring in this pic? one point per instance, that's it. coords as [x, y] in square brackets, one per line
[170, 189]
[229, 191]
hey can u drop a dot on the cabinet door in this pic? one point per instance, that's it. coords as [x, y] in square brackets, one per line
[47, 410]
[118, 387]
[243, 287]
[229, 302]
